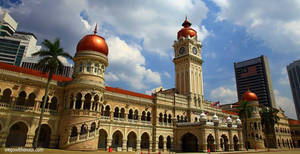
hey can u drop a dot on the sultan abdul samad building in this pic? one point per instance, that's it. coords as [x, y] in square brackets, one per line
[82, 113]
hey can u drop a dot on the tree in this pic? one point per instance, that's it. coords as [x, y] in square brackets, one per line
[245, 112]
[49, 63]
[268, 119]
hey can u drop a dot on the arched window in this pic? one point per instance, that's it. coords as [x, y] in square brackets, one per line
[130, 114]
[122, 115]
[136, 115]
[74, 131]
[107, 111]
[178, 118]
[71, 101]
[93, 127]
[47, 103]
[78, 101]
[160, 119]
[196, 119]
[88, 67]
[116, 113]
[170, 118]
[21, 98]
[87, 101]
[53, 104]
[84, 129]
[143, 118]
[31, 100]
[255, 126]
[148, 116]
[96, 68]
[185, 119]
[165, 118]
[181, 119]
[80, 67]
[6, 97]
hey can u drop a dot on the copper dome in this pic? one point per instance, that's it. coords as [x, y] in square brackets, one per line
[93, 42]
[249, 96]
[186, 30]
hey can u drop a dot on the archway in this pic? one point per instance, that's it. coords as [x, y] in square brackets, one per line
[78, 101]
[117, 139]
[131, 140]
[102, 141]
[145, 141]
[53, 104]
[189, 143]
[74, 131]
[21, 98]
[169, 143]
[6, 97]
[83, 129]
[44, 137]
[224, 143]
[31, 100]
[87, 101]
[161, 142]
[93, 127]
[210, 142]
[235, 143]
[107, 111]
[17, 135]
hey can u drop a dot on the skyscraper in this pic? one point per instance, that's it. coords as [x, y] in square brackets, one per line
[293, 70]
[254, 74]
[15, 45]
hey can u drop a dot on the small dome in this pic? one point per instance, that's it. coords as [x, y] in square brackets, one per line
[215, 118]
[186, 30]
[202, 116]
[238, 121]
[229, 120]
[93, 42]
[249, 96]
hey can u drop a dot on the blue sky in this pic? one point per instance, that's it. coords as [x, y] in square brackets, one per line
[140, 35]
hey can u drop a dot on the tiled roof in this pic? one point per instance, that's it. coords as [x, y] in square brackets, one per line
[293, 122]
[229, 112]
[126, 92]
[18, 69]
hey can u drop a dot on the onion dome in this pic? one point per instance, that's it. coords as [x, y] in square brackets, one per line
[186, 30]
[203, 116]
[93, 42]
[249, 96]
[215, 118]
[229, 120]
[238, 121]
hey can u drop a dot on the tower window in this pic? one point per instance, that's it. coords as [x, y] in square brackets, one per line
[80, 67]
[96, 68]
[88, 67]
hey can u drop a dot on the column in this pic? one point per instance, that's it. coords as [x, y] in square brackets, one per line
[172, 148]
[124, 145]
[74, 103]
[241, 141]
[165, 145]
[138, 145]
[29, 140]
[36, 105]
[111, 115]
[204, 143]
[230, 141]
[3, 137]
[217, 147]
[13, 100]
[82, 103]
[156, 144]
[91, 104]
[109, 143]
[126, 116]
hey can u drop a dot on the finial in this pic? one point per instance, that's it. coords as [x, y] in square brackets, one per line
[95, 31]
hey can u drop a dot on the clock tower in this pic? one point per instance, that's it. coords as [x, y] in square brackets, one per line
[188, 65]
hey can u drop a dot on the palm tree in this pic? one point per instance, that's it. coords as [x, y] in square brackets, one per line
[268, 119]
[49, 63]
[245, 112]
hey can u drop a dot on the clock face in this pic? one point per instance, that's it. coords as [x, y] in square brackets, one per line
[195, 50]
[181, 50]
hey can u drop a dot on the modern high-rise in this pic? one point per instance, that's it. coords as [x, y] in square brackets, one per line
[31, 63]
[15, 45]
[293, 70]
[254, 74]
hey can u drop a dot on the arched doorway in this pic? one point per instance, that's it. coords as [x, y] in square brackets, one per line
[169, 143]
[235, 143]
[117, 139]
[131, 140]
[210, 143]
[224, 143]
[44, 137]
[17, 135]
[189, 143]
[102, 141]
[145, 141]
[161, 142]
[21, 98]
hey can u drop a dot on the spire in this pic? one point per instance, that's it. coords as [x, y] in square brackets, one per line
[186, 22]
[95, 31]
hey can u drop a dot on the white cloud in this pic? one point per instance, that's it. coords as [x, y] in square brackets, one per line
[224, 95]
[202, 32]
[111, 77]
[167, 74]
[286, 104]
[128, 64]
[209, 54]
[284, 80]
[275, 23]
[86, 24]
